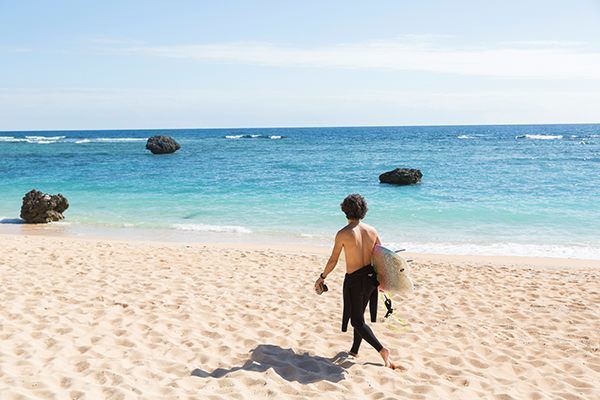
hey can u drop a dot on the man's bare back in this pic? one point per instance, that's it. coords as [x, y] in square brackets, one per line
[358, 240]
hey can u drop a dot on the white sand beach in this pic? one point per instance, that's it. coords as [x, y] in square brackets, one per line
[106, 319]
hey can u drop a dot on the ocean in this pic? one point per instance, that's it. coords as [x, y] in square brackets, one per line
[497, 190]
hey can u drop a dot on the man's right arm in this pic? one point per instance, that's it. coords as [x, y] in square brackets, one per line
[335, 254]
[333, 259]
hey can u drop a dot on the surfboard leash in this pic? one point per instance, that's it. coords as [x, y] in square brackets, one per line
[399, 325]
[388, 306]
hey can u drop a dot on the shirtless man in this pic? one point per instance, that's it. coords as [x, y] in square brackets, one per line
[360, 283]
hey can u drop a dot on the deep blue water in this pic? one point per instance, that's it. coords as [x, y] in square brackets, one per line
[528, 189]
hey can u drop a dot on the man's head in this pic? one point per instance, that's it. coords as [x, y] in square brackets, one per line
[354, 206]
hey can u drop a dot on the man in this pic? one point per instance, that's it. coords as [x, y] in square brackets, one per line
[360, 283]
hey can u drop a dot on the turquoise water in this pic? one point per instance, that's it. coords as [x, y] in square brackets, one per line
[523, 190]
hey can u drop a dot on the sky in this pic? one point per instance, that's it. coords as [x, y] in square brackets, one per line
[202, 64]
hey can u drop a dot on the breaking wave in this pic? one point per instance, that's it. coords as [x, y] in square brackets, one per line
[64, 139]
[32, 139]
[501, 249]
[539, 137]
[110, 140]
[274, 137]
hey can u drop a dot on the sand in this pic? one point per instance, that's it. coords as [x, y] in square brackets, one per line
[105, 319]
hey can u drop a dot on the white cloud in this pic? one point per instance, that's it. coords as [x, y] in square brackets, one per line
[435, 54]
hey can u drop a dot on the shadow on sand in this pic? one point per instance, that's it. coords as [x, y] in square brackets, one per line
[302, 368]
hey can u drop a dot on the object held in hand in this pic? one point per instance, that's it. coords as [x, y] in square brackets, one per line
[322, 287]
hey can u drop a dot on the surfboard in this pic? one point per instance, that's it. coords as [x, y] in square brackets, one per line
[392, 271]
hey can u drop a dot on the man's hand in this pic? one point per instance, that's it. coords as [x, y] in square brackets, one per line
[318, 282]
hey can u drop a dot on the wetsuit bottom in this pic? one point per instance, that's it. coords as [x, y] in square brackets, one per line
[361, 285]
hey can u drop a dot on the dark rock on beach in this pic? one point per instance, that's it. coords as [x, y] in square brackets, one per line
[41, 208]
[162, 145]
[401, 176]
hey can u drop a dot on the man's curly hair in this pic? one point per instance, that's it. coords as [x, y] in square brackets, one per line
[354, 206]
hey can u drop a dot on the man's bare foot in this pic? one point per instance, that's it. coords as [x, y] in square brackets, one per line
[353, 354]
[385, 354]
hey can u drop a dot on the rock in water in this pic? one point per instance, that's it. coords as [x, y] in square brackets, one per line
[401, 176]
[41, 208]
[162, 145]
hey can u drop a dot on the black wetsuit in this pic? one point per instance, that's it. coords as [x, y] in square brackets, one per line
[360, 288]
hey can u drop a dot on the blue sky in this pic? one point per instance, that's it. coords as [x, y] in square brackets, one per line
[176, 64]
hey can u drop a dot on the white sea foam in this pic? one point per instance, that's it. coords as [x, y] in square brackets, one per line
[502, 249]
[56, 139]
[314, 236]
[59, 223]
[11, 139]
[211, 228]
[33, 139]
[465, 137]
[242, 136]
[540, 137]
[110, 140]
[254, 136]
[45, 137]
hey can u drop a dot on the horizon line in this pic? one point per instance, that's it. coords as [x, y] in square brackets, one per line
[303, 127]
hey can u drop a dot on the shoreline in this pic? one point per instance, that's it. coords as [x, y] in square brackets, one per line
[254, 241]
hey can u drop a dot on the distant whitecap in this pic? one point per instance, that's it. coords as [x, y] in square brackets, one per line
[110, 140]
[539, 137]
[11, 139]
[45, 137]
[253, 136]
[33, 139]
